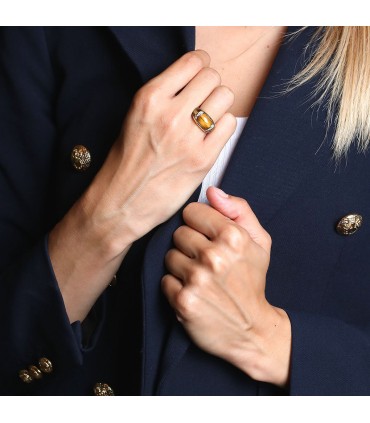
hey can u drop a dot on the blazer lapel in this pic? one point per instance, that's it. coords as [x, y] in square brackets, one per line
[276, 152]
[152, 49]
[281, 141]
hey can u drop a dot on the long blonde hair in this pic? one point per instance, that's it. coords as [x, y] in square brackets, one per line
[342, 56]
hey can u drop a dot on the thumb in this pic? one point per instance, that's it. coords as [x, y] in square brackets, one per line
[238, 210]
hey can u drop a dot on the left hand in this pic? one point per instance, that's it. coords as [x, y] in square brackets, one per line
[217, 283]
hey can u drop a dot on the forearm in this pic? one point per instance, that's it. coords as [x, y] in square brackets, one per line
[84, 262]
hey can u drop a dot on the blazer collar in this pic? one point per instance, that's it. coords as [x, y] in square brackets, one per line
[276, 153]
[153, 49]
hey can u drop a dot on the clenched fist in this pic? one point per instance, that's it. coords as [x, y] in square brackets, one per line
[217, 283]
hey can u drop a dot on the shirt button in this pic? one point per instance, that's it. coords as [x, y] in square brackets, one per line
[81, 158]
[102, 390]
[349, 224]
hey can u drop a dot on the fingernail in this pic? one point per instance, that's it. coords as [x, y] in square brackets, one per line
[221, 193]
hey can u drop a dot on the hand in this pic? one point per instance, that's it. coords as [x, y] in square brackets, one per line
[158, 160]
[161, 151]
[217, 287]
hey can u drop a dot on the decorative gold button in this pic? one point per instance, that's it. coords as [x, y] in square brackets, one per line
[349, 224]
[103, 390]
[45, 365]
[35, 372]
[25, 376]
[81, 158]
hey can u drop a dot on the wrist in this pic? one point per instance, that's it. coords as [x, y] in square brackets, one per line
[82, 264]
[103, 227]
[266, 358]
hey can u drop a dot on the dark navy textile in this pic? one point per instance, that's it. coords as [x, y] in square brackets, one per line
[60, 87]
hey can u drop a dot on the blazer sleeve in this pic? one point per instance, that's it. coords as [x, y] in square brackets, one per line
[329, 356]
[33, 320]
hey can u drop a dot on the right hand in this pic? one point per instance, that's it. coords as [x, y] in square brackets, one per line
[159, 159]
[161, 155]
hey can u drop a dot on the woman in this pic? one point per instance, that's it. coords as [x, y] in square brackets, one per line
[115, 279]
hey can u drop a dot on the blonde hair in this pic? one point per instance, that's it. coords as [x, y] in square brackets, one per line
[341, 54]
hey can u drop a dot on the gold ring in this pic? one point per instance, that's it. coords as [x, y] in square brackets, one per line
[203, 120]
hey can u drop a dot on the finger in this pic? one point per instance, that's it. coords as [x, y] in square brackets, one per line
[181, 72]
[216, 105]
[218, 102]
[199, 88]
[239, 211]
[171, 286]
[178, 264]
[215, 141]
[204, 219]
[189, 241]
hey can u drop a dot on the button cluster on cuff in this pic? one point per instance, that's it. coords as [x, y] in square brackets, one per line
[34, 373]
[103, 390]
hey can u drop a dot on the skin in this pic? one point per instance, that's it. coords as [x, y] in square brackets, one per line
[243, 63]
[161, 151]
[216, 286]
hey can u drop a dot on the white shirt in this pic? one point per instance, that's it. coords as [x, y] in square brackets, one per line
[214, 176]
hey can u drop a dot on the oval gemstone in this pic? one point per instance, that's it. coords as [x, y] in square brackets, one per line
[205, 121]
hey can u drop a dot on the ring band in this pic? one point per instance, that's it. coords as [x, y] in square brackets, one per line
[203, 120]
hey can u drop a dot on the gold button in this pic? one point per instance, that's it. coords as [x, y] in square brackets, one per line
[103, 390]
[35, 372]
[81, 158]
[25, 376]
[349, 224]
[45, 365]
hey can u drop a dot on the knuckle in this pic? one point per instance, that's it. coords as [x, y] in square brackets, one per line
[195, 59]
[232, 235]
[179, 232]
[268, 239]
[212, 75]
[147, 98]
[198, 277]
[227, 93]
[169, 256]
[243, 202]
[186, 302]
[189, 210]
[212, 258]
[164, 282]
[206, 58]
[169, 123]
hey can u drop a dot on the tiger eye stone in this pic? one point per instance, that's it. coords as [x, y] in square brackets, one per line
[204, 121]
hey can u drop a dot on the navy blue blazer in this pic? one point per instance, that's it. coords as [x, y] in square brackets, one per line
[66, 86]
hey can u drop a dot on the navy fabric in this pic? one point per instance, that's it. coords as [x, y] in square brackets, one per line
[66, 86]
